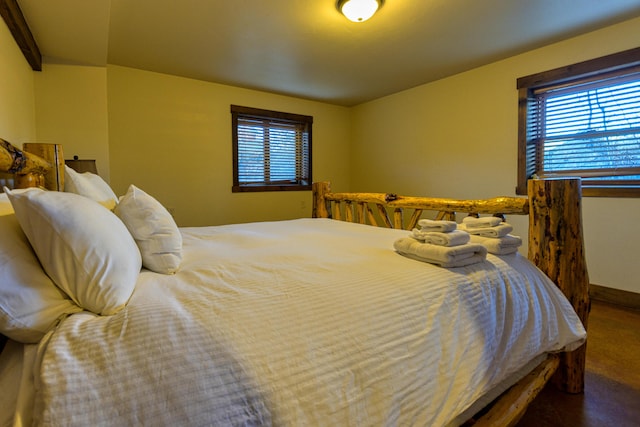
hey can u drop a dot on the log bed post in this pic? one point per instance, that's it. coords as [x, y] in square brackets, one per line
[320, 208]
[556, 246]
[52, 153]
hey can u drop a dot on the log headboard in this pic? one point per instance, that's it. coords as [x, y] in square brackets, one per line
[555, 237]
[36, 165]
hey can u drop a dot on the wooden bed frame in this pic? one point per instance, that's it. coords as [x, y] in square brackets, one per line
[555, 246]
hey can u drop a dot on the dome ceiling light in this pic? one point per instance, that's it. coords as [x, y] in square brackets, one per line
[359, 10]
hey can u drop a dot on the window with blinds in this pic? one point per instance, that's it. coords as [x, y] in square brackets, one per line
[271, 150]
[584, 121]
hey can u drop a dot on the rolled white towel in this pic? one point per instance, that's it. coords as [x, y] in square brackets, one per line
[444, 256]
[499, 245]
[482, 222]
[451, 238]
[499, 230]
[437, 225]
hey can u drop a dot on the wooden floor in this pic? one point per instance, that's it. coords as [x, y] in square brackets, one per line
[612, 383]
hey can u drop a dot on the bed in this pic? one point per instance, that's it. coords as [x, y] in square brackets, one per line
[314, 321]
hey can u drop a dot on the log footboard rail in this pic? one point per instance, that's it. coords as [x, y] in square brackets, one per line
[363, 207]
[555, 242]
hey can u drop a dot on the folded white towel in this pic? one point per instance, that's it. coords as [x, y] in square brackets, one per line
[437, 225]
[499, 246]
[451, 238]
[499, 230]
[482, 222]
[454, 256]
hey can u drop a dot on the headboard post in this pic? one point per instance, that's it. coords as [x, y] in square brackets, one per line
[556, 246]
[319, 202]
[54, 177]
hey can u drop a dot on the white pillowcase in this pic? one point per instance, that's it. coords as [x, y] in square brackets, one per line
[30, 303]
[89, 185]
[153, 229]
[83, 247]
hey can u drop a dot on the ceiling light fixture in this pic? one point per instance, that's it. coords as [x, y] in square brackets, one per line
[359, 10]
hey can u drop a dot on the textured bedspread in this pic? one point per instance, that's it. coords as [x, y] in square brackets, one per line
[308, 322]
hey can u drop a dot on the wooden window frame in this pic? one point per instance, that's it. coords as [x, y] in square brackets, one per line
[276, 116]
[571, 74]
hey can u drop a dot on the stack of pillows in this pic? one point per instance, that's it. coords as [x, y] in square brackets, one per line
[82, 249]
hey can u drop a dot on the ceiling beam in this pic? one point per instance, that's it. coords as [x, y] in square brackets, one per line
[10, 11]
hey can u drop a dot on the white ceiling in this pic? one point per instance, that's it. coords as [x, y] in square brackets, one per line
[305, 48]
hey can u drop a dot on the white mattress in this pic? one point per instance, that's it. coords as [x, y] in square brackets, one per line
[303, 322]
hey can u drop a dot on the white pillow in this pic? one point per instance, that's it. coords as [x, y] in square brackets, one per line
[153, 229]
[83, 247]
[30, 303]
[89, 185]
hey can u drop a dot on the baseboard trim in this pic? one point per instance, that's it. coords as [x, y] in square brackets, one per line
[615, 296]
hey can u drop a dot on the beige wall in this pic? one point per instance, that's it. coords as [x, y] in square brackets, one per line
[17, 114]
[457, 137]
[71, 109]
[171, 136]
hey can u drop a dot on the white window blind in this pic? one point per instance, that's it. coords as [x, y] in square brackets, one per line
[590, 130]
[271, 149]
[588, 126]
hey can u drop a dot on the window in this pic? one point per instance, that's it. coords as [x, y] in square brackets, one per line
[583, 120]
[271, 150]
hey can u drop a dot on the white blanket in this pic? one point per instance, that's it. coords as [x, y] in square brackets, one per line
[301, 323]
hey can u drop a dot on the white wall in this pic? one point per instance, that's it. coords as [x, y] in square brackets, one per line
[71, 109]
[17, 113]
[171, 136]
[457, 137]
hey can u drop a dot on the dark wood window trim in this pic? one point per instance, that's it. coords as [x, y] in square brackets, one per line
[304, 181]
[563, 76]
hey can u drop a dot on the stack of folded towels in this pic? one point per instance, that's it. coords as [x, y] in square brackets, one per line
[492, 233]
[440, 243]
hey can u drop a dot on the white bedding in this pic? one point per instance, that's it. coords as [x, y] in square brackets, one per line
[301, 323]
